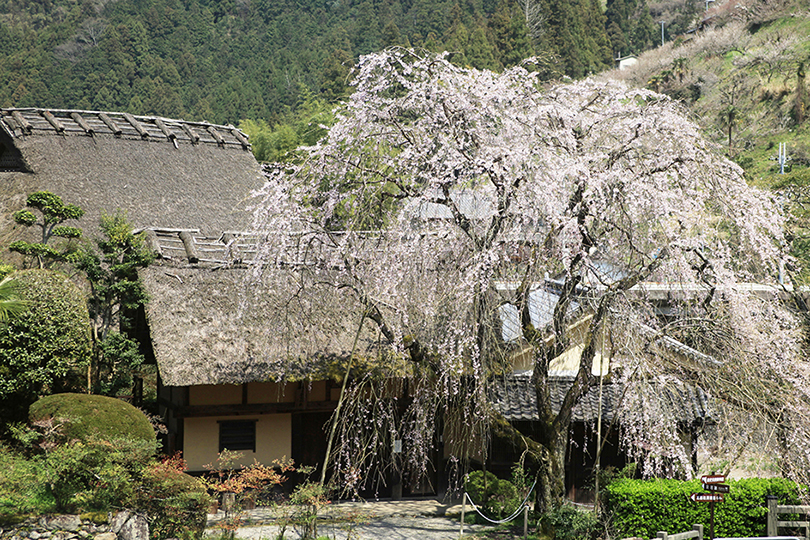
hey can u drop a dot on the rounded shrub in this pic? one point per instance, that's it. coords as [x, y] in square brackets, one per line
[569, 523]
[496, 497]
[89, 417]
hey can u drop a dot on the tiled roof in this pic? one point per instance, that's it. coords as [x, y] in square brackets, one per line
[514, 397]
[543, 300]
[68, 122]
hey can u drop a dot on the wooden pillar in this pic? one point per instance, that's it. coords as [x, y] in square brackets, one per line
[772, 515]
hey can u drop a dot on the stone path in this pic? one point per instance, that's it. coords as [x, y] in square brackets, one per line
[415, 519]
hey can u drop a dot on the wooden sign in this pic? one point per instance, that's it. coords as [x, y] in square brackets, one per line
[717, 488]
[713, 479]
[706, 497]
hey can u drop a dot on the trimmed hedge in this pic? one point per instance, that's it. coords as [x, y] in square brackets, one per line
[644, 507]
[98, 417]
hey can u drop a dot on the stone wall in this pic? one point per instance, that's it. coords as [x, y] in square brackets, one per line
[120, 526]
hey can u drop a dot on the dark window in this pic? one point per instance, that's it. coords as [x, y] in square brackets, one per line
[237, 435]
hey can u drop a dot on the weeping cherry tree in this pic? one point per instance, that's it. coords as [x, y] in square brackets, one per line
[443, 196]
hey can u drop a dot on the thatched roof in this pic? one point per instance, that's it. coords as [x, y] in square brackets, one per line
[212, 321]
[160, 171]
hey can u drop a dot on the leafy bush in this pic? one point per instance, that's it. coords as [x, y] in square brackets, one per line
[96, 474]
[43, 349]
[175, 502]
[495, 497]
[568, 523]
[644, 507]
[21, 490]
[94, 417]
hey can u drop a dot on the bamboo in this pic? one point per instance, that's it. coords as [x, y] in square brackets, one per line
[191, 249]
[22, 122]
[166, 131]
[153, 244]
[191, 133]
[240, 137]
[215, 134]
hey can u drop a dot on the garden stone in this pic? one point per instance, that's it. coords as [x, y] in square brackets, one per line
[106, 536]
[63, 523]
[129, 526]
[34, 535]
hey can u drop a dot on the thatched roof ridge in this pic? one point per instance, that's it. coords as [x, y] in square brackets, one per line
[160, 171]
[230, 248]
[208, 283]
[23, 122]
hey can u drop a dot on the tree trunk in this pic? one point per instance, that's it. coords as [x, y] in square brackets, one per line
[547, 464]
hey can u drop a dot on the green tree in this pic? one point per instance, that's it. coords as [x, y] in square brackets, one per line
[53, 212]
[480, 53]
[115, 293]
[335, 76]
[511, 38]
[46, 348]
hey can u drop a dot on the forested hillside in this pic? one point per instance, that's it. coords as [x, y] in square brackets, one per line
[225, 61]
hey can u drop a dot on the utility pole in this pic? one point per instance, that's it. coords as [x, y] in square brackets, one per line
[662, 33]
[782, 157]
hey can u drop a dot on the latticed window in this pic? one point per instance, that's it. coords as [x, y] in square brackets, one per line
[237, 435]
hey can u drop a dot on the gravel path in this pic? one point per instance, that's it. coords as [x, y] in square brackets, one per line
[382, 528]
[415, 519]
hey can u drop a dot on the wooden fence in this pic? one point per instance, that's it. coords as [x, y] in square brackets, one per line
[774, 510]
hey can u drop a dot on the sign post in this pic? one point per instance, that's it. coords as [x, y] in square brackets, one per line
[713, 483]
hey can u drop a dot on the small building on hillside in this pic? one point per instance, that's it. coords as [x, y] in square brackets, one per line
[626, 62]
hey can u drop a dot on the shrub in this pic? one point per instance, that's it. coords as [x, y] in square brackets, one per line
[568, 523]
[96, 475]
[89, 417]
[22, 489]
[495, 497]
[175, 502]
[644, 507]
[43, 349]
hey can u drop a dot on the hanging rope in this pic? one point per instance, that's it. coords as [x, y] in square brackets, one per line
[515, 514]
